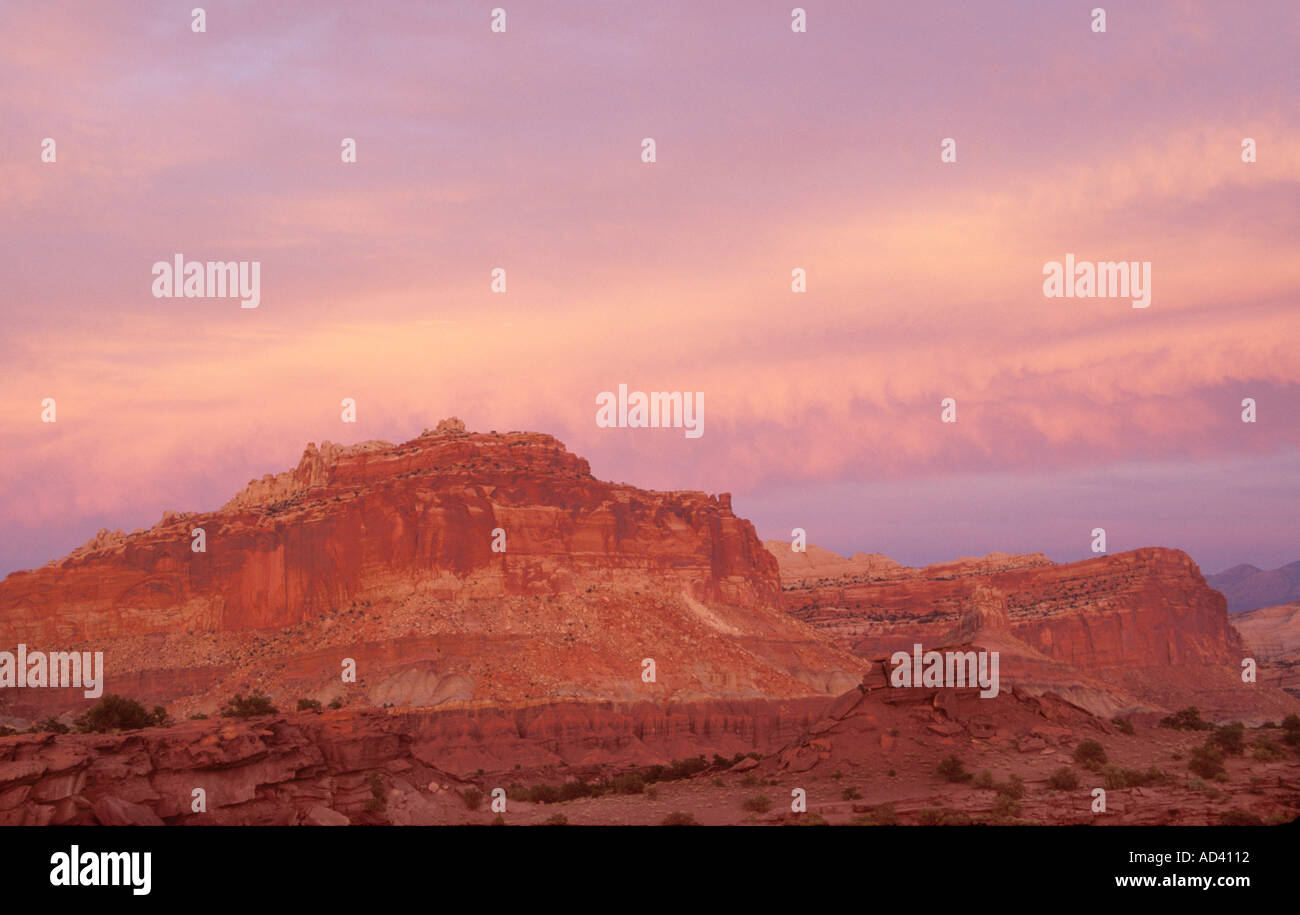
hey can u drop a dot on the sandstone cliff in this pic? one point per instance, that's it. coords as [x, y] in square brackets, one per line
[384, 554]
[1141, 627]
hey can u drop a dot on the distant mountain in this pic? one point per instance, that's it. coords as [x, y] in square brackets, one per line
[1249, 588]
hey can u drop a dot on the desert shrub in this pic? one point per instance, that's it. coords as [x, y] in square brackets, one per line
[1266, 750]
[652, 793]
[1231, 738]
[719, 783]
[952, 769]
[1013, 787]
[629, 783]
[937, 816]
[749, 781]
[807, 819]
[1090, 754]
[1187, 719]
[544, 794]
[6, 731]
[472, 797]
[678, 818]
[556, 819]
[1063, 779]
[1207, 762]
[337, 702]
[117, 713]
[1123, 725]
[759, 803]
[571, 791]
[309, 705]
[1120, 777]
[1006, 807]
[378, 797]
[1291, 730]
[252, 706]
[1239, 817]
[884, 815]
[984, 780]
[52, 726]
[851, 794]
[498, 820]
[929, 816]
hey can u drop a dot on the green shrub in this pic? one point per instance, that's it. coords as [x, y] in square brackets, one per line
[884, 815]
[1207, 762]
[309, 705]
[1006, 807]
[1291, 730]
[1231, 738]
[255, 705]
[807, 819]
[1090, 754]
[52, 726]
[1187, 719]
[1013, 787]
[677, 818]
[117, 713]
[1063, 779]
[198, 716]
[1120, 777]
[472, 797]
[571, 791]
[629, 783]
[1266, 750]
[1123, 725]
[759, 803]
[952, 769]
[544, 794]
[929, 816]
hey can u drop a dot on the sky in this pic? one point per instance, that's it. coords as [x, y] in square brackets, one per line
[775, 150]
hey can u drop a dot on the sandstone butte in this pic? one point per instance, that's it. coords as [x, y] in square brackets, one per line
[1135, 633]
[383, 554]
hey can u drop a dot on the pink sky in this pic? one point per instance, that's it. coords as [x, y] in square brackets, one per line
[775, 151]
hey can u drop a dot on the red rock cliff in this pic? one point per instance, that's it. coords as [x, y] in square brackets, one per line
[352, 523]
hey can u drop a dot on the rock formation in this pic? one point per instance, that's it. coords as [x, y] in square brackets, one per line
[1135, 631]
[454, 567]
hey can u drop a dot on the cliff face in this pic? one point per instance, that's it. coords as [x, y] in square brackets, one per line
[1272, 637]
[384, 554]
[1132, 633]
[1145, 607]
[332, 768]
[356, 523]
